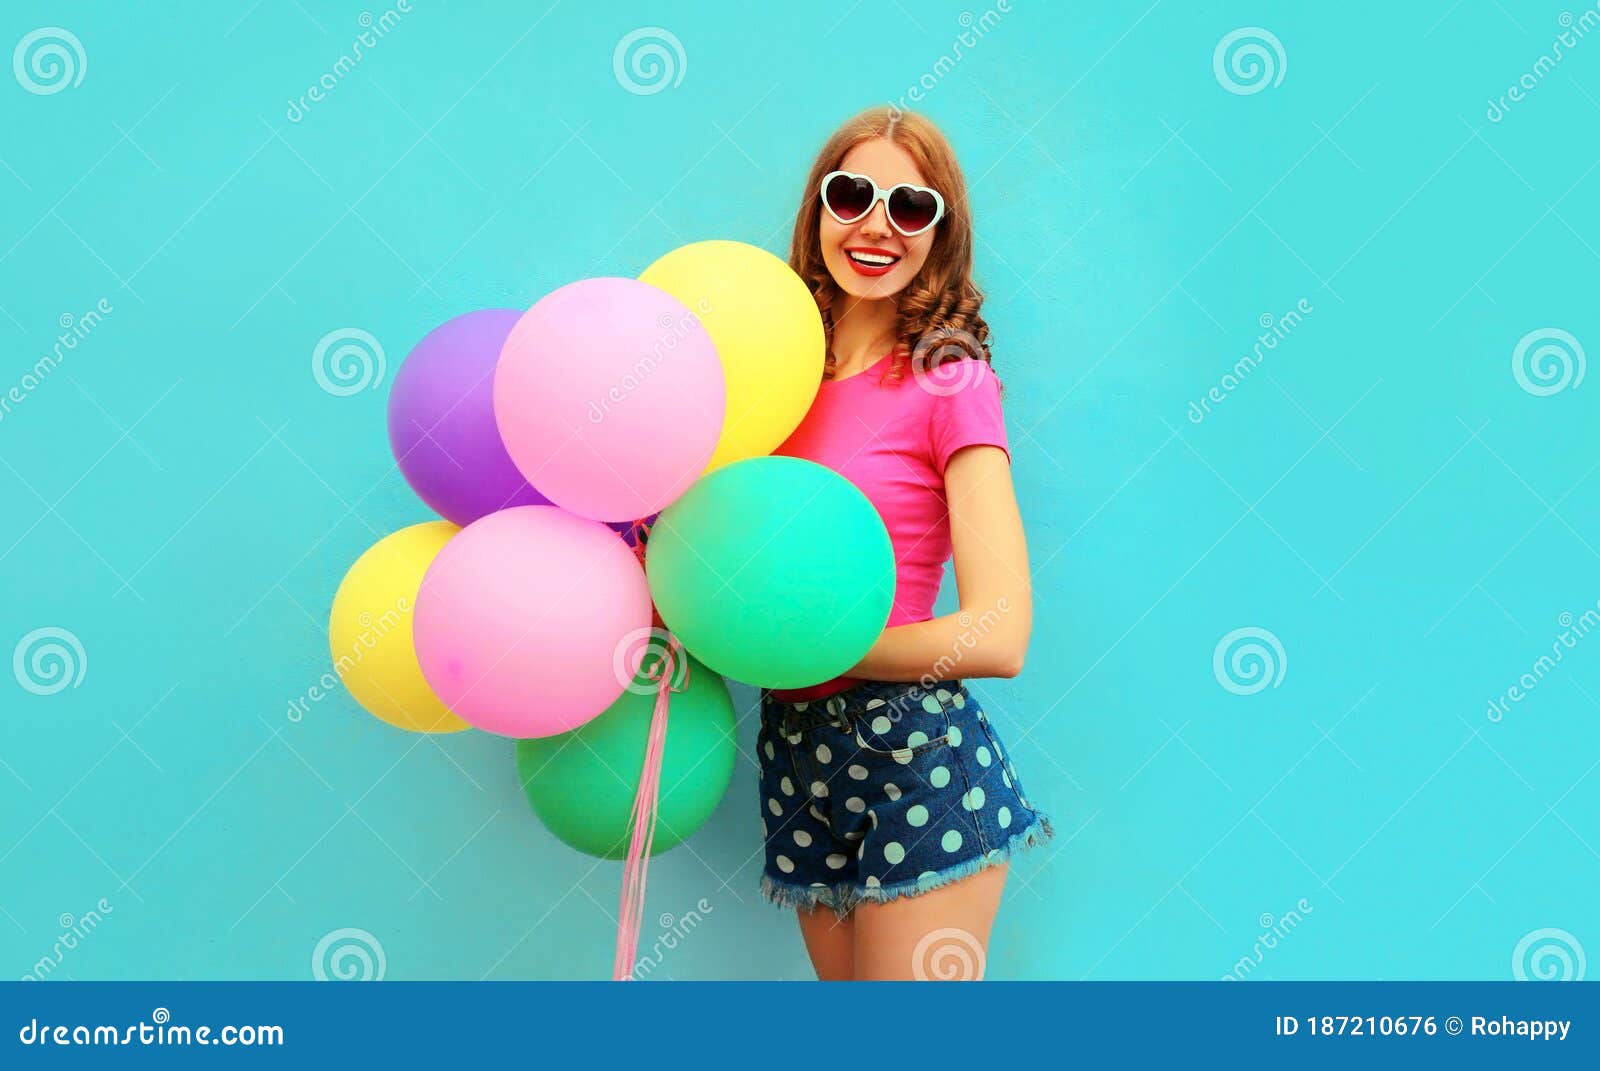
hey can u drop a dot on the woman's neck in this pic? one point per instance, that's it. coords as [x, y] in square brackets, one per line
[862, 333]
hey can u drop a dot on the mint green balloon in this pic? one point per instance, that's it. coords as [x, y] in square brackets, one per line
[582, 783]
[774, 571]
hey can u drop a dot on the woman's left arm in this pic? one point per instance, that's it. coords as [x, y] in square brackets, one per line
[988, 636]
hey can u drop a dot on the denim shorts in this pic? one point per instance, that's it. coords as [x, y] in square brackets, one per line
[884, 790]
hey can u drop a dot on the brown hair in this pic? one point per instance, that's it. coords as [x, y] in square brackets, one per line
[939, 319]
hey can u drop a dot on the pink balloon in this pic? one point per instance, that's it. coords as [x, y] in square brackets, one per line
[609, 396]
[520, 619]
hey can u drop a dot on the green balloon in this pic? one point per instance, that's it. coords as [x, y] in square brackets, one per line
[582, 783]
[774, 571]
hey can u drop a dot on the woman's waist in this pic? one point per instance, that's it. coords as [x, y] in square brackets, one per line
[891, 699]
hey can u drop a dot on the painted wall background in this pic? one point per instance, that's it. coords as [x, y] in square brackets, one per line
[1399, 495]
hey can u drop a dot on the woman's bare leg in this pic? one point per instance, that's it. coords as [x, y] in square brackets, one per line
[942, 935]
[830, 941]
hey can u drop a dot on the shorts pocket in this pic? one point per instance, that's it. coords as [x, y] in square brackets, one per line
[900, 727]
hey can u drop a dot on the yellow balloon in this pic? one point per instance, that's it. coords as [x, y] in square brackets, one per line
[768, 333]
[369, 630]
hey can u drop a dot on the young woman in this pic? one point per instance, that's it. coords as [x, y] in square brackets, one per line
[888, 807]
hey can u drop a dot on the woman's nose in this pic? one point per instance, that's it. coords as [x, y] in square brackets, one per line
[876, 222]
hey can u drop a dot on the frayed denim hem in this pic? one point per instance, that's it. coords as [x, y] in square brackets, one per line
[842, 898]
[808, 897]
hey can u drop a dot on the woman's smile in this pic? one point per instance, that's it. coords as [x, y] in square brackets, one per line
[871, 260]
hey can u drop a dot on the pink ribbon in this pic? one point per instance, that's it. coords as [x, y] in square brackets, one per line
[630, 912]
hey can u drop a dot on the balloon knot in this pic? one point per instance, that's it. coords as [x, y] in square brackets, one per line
[670, 668]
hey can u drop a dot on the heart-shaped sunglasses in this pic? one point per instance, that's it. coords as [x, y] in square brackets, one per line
[911, 209]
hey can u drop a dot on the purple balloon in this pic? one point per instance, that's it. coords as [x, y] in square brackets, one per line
[441, 420]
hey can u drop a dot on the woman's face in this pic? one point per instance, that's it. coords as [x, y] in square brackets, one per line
[856, 252]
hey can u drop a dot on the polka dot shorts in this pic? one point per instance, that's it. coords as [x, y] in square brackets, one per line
[884, 790]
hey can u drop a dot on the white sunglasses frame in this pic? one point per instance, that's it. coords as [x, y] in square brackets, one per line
[881, 194]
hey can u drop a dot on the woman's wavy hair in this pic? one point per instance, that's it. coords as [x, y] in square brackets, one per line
[939, 317]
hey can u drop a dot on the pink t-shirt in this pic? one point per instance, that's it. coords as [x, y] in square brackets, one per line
[892, 438]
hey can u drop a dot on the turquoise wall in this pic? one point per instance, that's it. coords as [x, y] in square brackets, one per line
[1399, 495]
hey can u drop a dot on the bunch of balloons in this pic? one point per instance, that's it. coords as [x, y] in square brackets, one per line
[615, 538]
